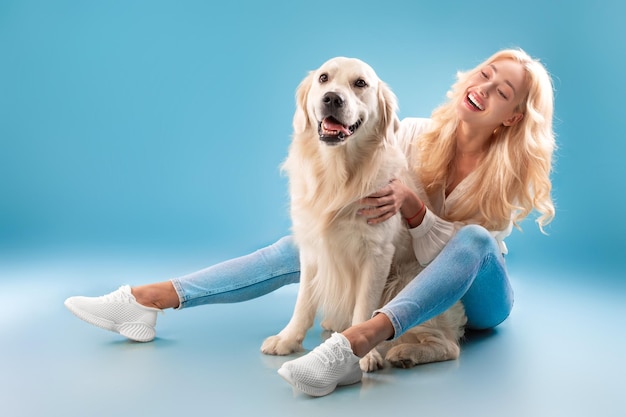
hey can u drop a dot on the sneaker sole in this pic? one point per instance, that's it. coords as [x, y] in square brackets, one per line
[136, 331]
[319, 391]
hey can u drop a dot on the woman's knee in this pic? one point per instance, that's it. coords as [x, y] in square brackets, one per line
[285, 244]
[477, 238]
[282, 252]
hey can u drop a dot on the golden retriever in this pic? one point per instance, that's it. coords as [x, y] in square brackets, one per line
[344, 149]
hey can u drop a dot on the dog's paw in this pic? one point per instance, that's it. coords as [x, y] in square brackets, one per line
[403, 357]
[278, 345]
[371, 362]
[408, 355]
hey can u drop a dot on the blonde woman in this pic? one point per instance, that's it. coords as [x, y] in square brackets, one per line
[484, 158]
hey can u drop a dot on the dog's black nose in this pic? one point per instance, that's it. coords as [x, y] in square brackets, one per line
[332, 100]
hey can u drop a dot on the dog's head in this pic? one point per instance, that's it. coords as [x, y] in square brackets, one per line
[342, 99]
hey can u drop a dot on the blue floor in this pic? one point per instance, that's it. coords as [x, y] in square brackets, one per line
[561, 352]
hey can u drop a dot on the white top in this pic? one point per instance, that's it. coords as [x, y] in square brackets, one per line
[433, 233]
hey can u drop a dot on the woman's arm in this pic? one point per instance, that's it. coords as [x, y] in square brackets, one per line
[429, 232]
[430, 237]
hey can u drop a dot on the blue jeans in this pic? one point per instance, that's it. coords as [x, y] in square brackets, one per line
[470, 268]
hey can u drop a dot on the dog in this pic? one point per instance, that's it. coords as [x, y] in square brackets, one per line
[344, 149]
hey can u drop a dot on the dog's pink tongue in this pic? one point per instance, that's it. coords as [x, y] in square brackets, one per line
[333, 125]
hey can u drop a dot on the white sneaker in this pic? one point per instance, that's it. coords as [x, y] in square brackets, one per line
[327, 366]
[118, 312]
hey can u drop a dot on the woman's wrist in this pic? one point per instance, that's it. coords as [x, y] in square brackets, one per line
[413, 212]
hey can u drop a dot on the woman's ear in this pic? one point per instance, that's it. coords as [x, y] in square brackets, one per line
[300, 117]
[514, 119]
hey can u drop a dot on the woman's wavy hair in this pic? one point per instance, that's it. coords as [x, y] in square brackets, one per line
[514, 177]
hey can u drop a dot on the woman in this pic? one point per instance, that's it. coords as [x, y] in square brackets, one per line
[484, 158]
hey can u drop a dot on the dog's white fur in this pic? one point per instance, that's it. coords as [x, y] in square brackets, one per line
[348, 267]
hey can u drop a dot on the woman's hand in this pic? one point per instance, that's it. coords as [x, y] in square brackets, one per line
[384, 203]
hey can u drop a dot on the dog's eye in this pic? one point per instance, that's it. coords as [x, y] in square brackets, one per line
[360, 83]
[323, 78]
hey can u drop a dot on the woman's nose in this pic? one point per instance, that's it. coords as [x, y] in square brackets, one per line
[485, 89]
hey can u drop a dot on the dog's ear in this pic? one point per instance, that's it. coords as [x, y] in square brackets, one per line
[388, 102]
[300, 117]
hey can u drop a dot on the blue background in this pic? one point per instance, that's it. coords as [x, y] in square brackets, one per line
[160, 125]
[141, 139]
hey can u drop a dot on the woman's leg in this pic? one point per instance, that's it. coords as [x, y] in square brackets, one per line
[133, 312]
[235, 280]
[469, 268]
[242, 278]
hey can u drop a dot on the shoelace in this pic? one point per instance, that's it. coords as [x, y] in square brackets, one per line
[117, 296]
[331, 352]
[124, 297]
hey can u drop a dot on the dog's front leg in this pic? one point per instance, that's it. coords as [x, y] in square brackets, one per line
[289, 340]
[373, 275]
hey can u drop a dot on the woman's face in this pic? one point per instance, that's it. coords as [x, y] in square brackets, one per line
[492, 95]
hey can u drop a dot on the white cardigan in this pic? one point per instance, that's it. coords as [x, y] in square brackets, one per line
[433, 233]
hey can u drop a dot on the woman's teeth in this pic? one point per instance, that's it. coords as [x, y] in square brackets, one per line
[474, 102]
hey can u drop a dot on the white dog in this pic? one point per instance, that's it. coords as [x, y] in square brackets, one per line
[344, 149]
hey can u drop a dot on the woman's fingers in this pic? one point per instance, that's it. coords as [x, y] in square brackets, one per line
[378, 214]
[381, 205]
[375, 220]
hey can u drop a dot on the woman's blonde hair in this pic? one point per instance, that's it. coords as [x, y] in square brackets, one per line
[514, 176]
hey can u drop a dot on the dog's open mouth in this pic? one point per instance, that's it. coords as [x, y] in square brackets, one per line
[332, 131]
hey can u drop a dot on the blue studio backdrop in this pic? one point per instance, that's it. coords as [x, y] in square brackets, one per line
[161, 125]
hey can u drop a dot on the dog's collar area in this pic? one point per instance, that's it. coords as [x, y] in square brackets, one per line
[332, 132]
